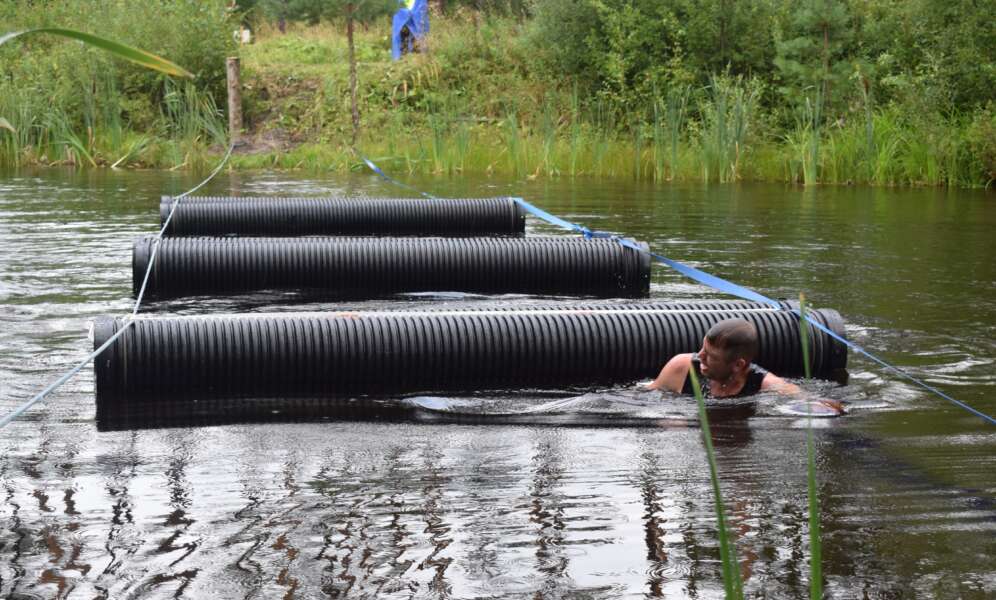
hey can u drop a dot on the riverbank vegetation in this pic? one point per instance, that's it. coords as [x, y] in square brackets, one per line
[819, 91]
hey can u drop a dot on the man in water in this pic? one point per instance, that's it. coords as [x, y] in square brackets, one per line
[724, 367]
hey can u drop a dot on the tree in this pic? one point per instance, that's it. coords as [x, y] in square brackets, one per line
[619, 50]
[313, 11]
[815, 49]
[364, 11]
[933, 55]
[727, 36]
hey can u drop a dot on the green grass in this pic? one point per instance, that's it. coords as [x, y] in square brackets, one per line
[474, 104]
[79, 105]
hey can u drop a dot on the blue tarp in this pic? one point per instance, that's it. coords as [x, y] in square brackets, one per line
[413, 14]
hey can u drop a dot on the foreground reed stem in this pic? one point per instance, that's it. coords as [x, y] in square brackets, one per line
[815, 545]
[732, 583]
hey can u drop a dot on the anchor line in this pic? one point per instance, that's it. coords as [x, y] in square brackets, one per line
[129, 320]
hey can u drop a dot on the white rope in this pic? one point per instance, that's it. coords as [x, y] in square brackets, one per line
[128, 320]
[169, 217]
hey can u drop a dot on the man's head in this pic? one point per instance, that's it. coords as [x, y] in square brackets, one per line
[728, 349]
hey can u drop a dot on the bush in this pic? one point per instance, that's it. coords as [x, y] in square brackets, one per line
[981, 137]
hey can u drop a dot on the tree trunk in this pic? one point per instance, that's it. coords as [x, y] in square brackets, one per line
[826, 61]
[352, 73]
[724, 12]
[282, 21]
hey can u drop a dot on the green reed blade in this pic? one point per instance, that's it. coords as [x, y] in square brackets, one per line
[732, 583]
[804, 335]
[815, 545]
[135, 55]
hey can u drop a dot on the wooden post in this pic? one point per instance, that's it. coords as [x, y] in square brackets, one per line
[234, 100]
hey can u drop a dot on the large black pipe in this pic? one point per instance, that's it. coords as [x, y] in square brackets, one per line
[369, 267]
[457, 217]
[403, 352]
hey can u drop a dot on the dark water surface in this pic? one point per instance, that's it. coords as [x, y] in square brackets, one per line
[524, 507]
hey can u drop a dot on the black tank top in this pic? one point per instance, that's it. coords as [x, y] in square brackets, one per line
[755, 375]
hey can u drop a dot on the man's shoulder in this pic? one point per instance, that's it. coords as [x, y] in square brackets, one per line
[685, 358]
[676, 371]
[756, 368]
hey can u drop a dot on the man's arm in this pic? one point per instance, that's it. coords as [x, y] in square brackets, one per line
[777, 384]
[672, 376]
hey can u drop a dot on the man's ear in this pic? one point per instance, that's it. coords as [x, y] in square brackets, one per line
[741, 364]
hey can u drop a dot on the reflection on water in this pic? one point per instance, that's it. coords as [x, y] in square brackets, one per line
[575, 493]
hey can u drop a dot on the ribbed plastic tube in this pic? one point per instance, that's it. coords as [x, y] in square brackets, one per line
[372, 267]
[275, 217]
[322, 355]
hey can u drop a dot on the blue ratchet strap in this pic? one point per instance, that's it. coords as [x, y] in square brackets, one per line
[720, 284]
[387, 177]
[691, 272]
[555, 220]
[716, 283]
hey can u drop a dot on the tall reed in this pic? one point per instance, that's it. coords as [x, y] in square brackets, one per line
[866, 102]
[658, 139]
[513, 144]
[548, 129]
[437, 142]
[677, 107]
[815, 543]
[813, 118]
[726, 115]
[732, 581]
[18, 138]
[461, 145]
[577, 132]
[193, 115]
[604, 126]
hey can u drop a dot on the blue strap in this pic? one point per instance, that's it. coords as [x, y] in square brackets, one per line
[691, 272]
[387, 177]
[720, 284]
[555, 220]
[716, 283]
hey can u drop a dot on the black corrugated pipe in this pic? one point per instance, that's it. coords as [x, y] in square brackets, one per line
[457, 217]
[369, 267]
[317, 355]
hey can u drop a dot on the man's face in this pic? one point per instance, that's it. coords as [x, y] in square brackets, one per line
[714, 363]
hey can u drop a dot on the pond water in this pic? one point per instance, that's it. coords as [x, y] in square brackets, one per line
[528, 507]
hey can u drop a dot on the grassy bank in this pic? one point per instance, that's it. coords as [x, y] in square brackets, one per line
[475, 103]
[74, 105]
